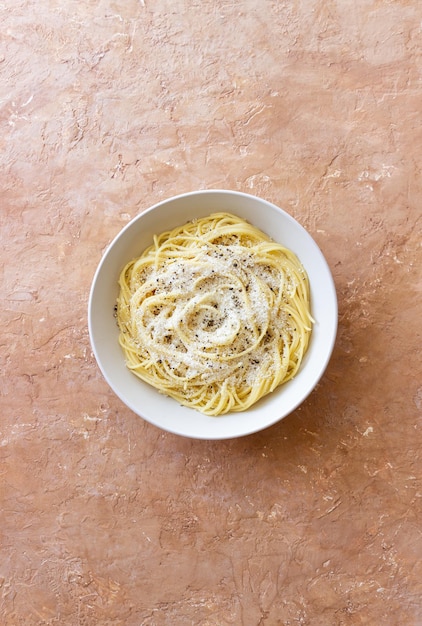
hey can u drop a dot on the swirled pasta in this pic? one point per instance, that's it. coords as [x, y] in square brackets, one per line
[214, 314]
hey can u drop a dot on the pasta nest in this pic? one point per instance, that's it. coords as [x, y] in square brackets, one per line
[214, 314]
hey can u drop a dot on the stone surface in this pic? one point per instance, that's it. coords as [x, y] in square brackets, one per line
[108, 107]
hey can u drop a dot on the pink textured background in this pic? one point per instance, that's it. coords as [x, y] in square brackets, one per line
[107, 107]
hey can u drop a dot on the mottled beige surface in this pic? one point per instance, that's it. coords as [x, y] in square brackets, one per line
[107, 107]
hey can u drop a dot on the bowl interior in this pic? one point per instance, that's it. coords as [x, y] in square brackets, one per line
[165, 412]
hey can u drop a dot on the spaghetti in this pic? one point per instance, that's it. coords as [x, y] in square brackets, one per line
[214, 314]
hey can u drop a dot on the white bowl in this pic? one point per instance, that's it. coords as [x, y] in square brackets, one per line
[163, 411]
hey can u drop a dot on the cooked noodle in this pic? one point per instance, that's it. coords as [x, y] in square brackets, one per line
[214, 314]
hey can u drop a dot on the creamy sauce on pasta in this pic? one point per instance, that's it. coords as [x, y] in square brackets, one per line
[214, 314]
